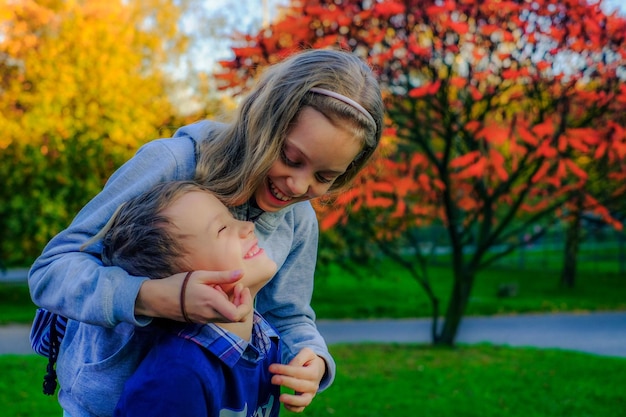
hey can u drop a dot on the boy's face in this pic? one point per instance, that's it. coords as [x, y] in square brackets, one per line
[215, 241]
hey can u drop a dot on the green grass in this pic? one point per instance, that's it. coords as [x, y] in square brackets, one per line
[15, 303]
[405, 380]
[593, 256]
[480, 381]
[398, 380]
[21, 388]
[394, 294]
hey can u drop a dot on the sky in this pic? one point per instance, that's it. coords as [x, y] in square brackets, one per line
[242, 15]
[249, 16]
[616, 4]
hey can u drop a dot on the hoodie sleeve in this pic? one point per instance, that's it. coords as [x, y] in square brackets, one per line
[286, 300]
[74, 283]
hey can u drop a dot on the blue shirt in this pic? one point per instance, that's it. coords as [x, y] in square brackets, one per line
[203, 370]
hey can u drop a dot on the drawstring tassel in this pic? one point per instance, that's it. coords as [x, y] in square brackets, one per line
[50, 379]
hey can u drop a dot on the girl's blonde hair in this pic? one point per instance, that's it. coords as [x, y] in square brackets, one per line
[236, 160]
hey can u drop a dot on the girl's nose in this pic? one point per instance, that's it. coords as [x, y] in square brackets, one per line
[299, 185]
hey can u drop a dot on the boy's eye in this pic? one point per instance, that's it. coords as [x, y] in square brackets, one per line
[221, 229]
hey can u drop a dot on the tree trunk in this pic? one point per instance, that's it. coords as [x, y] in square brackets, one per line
[456, 308]
[572, 244]
[621, 253]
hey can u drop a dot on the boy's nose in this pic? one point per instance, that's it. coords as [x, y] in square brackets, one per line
[246, 228]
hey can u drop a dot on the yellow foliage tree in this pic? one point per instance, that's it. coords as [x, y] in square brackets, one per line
[81, 87]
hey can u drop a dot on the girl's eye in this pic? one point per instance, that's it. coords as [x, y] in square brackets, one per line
[221, 229]
[287, 161]
[324, 180]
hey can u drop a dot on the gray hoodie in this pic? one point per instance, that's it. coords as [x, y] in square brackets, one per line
[105, 340]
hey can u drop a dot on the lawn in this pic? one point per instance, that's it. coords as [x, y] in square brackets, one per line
[397, 380]
[477, 381]
[405, 380]
[394, 294]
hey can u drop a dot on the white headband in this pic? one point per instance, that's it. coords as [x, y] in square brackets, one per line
[346, 100]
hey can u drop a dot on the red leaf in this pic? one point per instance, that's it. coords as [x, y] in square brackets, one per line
[494, 134]
[389, 8]
[404, 186]
[420, 51]
[434, 87]
[560, 170]
[382, 202]
[382, 187]
[425, 90]
[600, 151]
[434, 12]
[543, 170]
[400, 209]
[458, 82]
[489, 29]
[472, 126]
[464, 160]
[497, 162]
[576, 170]
[543, 65]
[510, 74]
[476, 94]
[424, 182]
[543, 129]
[459, 27]
[562, 143]
[331, 219]
[527, 136]
[475, 170]
[588, 135]
[501, 172]
[326, 41]
[247, 51]
[546, 151]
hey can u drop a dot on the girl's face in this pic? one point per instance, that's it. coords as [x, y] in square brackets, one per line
[315, 153]
[215, 241]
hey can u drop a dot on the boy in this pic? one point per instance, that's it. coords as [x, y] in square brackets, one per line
[195, 370]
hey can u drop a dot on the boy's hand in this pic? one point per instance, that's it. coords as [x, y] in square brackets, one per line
[303, 375]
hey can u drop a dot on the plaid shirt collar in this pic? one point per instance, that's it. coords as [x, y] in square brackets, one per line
[230, 347]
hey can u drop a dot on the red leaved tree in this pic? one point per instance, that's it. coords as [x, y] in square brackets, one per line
[498, 113]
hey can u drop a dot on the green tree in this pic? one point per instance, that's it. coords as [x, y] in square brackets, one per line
[81, 87]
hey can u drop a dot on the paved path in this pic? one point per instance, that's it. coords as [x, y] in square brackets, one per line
[596, 333]
[14, 275]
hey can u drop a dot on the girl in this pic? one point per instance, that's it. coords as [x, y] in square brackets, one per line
[306, 129]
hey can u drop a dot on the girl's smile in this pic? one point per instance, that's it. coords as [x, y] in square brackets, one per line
[307, 169]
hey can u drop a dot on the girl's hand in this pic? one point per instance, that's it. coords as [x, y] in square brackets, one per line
[205, 299]
[303, 375]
